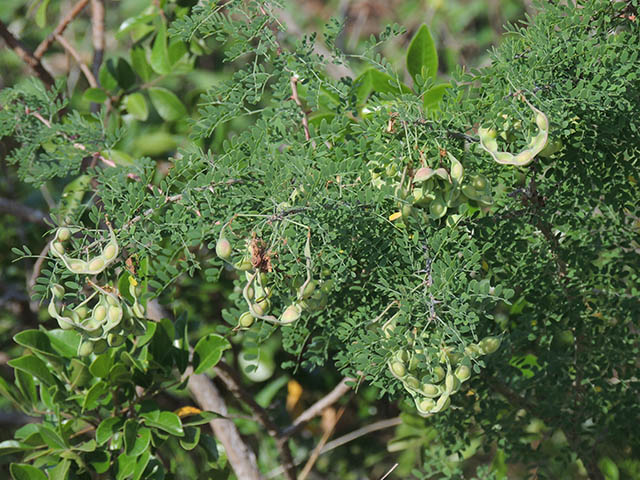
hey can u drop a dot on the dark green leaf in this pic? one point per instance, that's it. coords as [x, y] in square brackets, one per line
[65, 342]
[167, 421]
[167, 104]
[101, 365]
[26, 472]
[107, 428]
[159, 55]
[140, 64]
[96, 95]
[191, 438]
[208, 352]
[433, 96]
[33, 366]
[422, 56]
[136, 105]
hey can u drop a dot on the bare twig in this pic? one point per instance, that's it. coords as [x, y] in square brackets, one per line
[85, 70]
[61, 27]
[22, 211]
[97, 34]
[295, 98]
[390, 471]
[318, 448]
[316, 409]
[242, 459]
[26, 56]
[233, 383]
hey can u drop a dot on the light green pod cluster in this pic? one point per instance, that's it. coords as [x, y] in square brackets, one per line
[91, 265]
[489, 142]
[102, 319]
[432, 390]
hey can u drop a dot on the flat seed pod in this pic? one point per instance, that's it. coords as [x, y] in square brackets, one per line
[463, 373]
[398, 369]
[291, 314]
[246, 320]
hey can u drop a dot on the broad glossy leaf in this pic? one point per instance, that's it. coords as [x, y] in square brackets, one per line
[159, 59]
[136, 105]
[422, 56]
[191, 438]
[167, 421]
[433, 96]
[167, 104]
[34, 366]
[61, 470]
[208, 352]
[21, 471]
[96, 95]
[9, 447]
[126, 466]
[92, 398]
[141, 463]
[101, 365]
[65, 342]
[140, 63]
[107, 428]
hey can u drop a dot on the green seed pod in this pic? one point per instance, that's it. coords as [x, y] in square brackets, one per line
[100, 346]
[85, 348]
[425, 405]
[398, 369]
[99, 313]
[246, 320]
[58, 248]
[463, 373]
[430, 390]
[78, 266]
[57, 291]
[262, 307]
[92, 328]
[456, 170]
[437, 208]
[223, 248]
[115, 340]
[65, 323]
[542, 121]
[291, 314]
[472, 350]
[63, 234]
[411, 383]
[479, 183]
[96, 266]
[81, 312]
[442, 404]
[438, 374]
[308, 290]
[451, 383]
[470, 192]
[244, 265]
[489, 345]
[138, 310]
[110, 251]
[115, 314]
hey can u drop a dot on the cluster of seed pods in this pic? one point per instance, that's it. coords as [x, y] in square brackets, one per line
[536, 145]
[103, 318]
[309, 296]
[432, 390]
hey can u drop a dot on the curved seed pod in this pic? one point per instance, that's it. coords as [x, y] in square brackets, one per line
[115, 315]
[430, 390]
[244, 264]
[85, 348]
[463, 373]
[411, 383]
[63, 234]
[472, 350]
[480, 183]
[65, 323]
[489, 345]
[307, 290]
[57, 247]
[398, 369]
[246, 320]
[81, 311]
[262, 307]
[451, 383]
[425, 173]
[424, 405]
[57, 291]
[138, 310]
[442, 404]
[452, 198]
[100, 313]
[115, 339]
[96, 266]
[437, 208]
[223, 248]
[438, 374]
[110, 251]
[457, 171]
[77, 266]
[291, 314]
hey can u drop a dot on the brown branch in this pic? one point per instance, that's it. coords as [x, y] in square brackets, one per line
[318, 448]
[295, 98]
[242, 459]
[233, 383]
[316, 409]
[23, 212]
[97, 34]
[26, 56]
[60, 28]
[85, 70]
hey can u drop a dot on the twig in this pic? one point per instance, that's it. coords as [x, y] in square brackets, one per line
[60, 28]
[295, 98]
[390, 471]
[35, 274]
[233, 383]
[242, 459]
[316, 409]
[26, 56]
[85, 70]
[22, 211]
[318, 448]
[97, 34]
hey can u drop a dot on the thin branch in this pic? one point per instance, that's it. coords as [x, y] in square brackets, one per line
[318, 448]
[316, 409]
[60, 28]
[97, 34]
[26, 56]
[233, 383]
[295, 98]
[23, 212]
[85, 70]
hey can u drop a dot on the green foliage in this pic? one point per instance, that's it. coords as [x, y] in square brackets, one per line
[367, 228]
